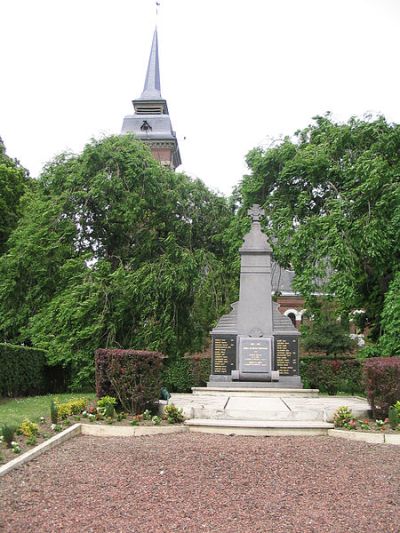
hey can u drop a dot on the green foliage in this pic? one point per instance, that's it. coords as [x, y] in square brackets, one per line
[389, 343]
[28, 428]
[394, 417]
[147, 414]
[325, 333]
[331, 375]
[74, 406]
[106, 405]
[332, 197]
[178, 376]
[22, 370]
[114, 250]
[32, 440]
[53, 412]
[8, 433]
[14, 182]
[184, 373]
[173, 414]
[156, 420]
[343, 415]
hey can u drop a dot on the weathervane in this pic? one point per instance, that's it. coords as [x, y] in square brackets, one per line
[256, 212]
[157, 6]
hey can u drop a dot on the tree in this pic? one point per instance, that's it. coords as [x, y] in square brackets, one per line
[325, 332]
[13, 184]
[114, 251]
[332, 194]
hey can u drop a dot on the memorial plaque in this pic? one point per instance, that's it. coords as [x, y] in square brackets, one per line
[223, 354]
[287, 355]
[255, 354]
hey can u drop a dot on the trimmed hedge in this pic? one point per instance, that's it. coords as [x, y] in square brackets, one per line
[22, 370]
[132, 376]
[332, 374]
[382, 381]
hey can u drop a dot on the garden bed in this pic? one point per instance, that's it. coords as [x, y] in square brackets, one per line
[30, 434]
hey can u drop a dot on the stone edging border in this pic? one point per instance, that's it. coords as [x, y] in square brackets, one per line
[43, 447]
[372, 438]
[86, 429]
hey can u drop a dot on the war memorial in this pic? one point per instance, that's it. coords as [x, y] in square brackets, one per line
[255, 344]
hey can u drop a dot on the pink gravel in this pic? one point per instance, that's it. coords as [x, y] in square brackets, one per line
[205, 483]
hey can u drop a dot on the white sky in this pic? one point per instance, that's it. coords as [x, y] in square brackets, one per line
[236, 74]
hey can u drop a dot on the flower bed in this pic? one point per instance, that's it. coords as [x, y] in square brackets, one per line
[344, 420]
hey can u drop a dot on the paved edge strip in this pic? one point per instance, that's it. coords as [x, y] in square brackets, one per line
[41, 448]
[129, 431]
[372, 438]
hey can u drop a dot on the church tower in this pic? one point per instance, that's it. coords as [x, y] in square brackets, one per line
[151, 122]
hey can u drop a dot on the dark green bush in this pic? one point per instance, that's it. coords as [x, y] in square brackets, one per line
[184, 373]
[8, 433]
[332, 374]
[394, 417]
[22, 370]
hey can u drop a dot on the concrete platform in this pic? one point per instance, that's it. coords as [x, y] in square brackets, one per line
[257, 408]
[263, 392]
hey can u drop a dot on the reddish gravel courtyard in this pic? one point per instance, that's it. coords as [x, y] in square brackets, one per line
[205, 483]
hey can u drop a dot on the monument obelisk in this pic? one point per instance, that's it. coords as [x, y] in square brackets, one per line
[255, 343]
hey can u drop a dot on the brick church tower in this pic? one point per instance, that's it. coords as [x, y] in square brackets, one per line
[150, 122]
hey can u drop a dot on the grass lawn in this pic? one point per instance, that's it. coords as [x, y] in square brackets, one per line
[14, 410]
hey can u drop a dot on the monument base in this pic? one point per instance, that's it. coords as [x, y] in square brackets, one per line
[285, 382]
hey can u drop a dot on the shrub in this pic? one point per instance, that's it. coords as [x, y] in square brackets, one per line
[332, 374]
[382, 380]
[343, 415]
[184, 373]
[32, 440]
[74, 406]
[22, 370]
[147, 415]
[173, 414]
[8, 433]
[28, 428]
[53, 412]
[106, 405]
[394, 417]
[133, 376]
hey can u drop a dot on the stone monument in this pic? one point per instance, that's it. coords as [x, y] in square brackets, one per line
[255, 345]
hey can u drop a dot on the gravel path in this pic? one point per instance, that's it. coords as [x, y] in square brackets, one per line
[205, 483]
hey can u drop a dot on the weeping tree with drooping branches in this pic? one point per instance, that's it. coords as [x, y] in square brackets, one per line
[114, 251]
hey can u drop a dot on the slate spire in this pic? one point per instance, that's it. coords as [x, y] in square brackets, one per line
[152, 85]
[151, 122]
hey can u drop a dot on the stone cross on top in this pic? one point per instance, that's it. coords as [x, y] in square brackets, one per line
[256, 212]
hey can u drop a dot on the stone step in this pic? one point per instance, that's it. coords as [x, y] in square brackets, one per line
[259, 428]
[257, 414]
